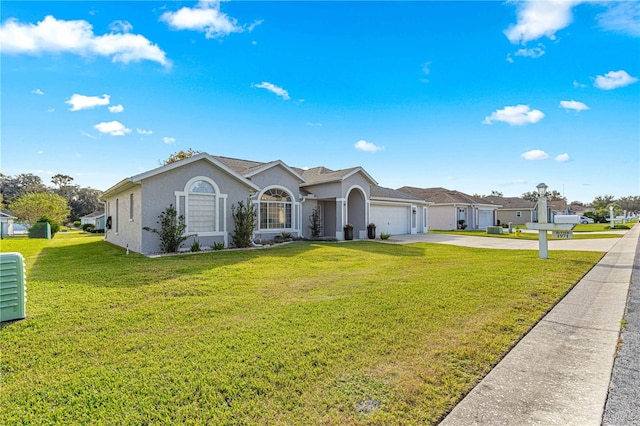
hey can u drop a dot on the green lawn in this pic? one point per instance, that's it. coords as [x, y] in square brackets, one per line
[304, 333]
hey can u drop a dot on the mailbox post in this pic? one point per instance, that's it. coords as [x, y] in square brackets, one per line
[543, 242]
[543, 225]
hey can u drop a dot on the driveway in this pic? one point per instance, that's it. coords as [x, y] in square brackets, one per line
[592, 244]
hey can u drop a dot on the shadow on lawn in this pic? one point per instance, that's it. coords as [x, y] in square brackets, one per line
[102, 264]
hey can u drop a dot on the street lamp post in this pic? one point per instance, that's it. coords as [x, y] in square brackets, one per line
[543, 244]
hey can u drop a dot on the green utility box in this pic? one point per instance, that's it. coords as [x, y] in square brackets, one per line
[13, 290]
[494, 229]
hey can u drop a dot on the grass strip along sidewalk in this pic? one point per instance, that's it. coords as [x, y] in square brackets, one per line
[305, 333]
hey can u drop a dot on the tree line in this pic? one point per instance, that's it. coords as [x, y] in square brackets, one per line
[27, 197]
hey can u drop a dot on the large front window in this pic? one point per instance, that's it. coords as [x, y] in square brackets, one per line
[201, 210]
[275, 209]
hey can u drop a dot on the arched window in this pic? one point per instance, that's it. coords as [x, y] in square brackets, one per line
[275, 209]
[201, 207]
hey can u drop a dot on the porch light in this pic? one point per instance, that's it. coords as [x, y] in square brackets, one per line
[542, 189]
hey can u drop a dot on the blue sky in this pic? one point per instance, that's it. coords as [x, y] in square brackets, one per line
[472, 96]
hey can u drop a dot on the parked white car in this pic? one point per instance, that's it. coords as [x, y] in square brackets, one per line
[584, 219]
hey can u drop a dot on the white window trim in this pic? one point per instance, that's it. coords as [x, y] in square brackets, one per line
[220, 229]
[295, 206]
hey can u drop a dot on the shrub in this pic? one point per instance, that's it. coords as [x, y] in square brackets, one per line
[316, 226]
[385, 236]
[171, 231]
[77, 224]
[617, 227]
[218, 246]
[39, 229]
[195, 246]
[244, 219]
[88, 227]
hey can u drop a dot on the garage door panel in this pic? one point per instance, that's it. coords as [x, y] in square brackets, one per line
[485, 218]
[391, 219]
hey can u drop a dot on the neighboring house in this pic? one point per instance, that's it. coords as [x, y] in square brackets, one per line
[450, 207]
[204, 188]
[96, 219]
[515, 210]
[558, 207]
[7, 222]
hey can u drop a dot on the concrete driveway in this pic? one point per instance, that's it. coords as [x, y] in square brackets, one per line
[592, 244]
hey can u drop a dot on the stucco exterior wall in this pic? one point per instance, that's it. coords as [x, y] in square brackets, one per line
[159, 192]
[326, 190]
[506, 216]
[125, 232]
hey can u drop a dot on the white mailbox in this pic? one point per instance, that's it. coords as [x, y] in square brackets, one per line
[566, 218]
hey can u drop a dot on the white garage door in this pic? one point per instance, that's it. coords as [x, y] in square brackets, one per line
[485, 218]
[391, 219]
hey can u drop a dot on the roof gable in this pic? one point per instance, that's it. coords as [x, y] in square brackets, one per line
[318, 175]
[249, 169]
[137, 179]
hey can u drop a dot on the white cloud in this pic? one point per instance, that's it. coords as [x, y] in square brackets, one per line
[314, 124]
[116, 108]
[621, 17]
[515, 115]
[88, 135]
[50, 110]
[273, 89]
[426, 68]
[578, 85]
[574, 105]
[59, 36]
[255, 24]
[538, 19]
[37, 92]
[614, 80]
[535, 154]
[534, 53]
[563, 158]
[121, 26]
[40, 152]
[365, 146]
[113, 128]
[79, 102]
[205, 17]
[509, 58]
[144, 132]
[168, 140]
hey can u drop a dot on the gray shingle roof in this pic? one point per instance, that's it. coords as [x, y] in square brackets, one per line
[510, 202]
[382, 192]
[240, 166]
[442, 195]
[322, 174]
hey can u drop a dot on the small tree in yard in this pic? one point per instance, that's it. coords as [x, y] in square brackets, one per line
[171, 231]
[244, 219]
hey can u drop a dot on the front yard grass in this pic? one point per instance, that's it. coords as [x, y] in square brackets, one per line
[305, 333]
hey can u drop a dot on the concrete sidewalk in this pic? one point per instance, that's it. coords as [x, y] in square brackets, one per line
[559, 373]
